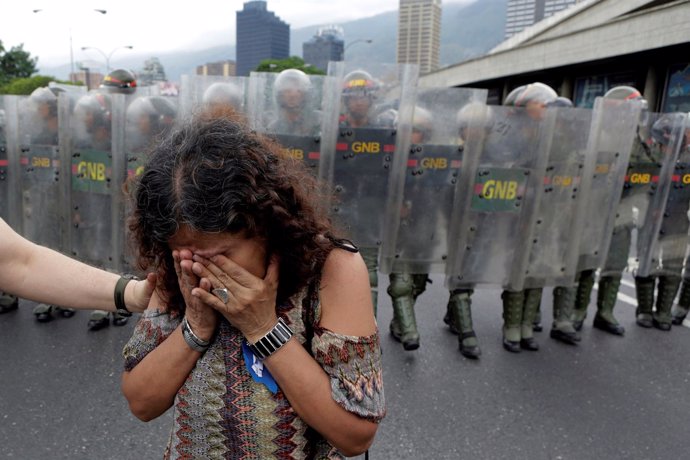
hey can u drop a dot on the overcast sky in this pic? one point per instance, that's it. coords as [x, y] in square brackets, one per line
[152, 26]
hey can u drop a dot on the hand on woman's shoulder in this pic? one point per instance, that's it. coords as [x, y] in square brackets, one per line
[345, 295]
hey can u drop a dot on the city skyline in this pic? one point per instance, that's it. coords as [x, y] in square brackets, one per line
[154, 27]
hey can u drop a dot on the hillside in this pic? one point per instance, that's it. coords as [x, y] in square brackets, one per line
[466, 31]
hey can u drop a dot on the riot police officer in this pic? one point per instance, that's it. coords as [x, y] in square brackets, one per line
[520, 307]
[358, 95]
[119, 81]
[458, 315]
[222, 96]
[617, 258]
[675, 227]
[8, 302]
[93, 130]
[44, 103]
[291, 91]
[404, 287]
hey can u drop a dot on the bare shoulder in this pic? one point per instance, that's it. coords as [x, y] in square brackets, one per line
[345, 295]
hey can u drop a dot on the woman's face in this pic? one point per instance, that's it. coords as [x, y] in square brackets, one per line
[250, 253]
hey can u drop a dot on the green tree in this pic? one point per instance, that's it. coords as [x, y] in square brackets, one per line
[21, 86]
[293, 62]
[16, 63]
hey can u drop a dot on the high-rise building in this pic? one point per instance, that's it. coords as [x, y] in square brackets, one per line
[524, 13]
[260, 35]
[419, 33]
[220, 69]
[327, 45]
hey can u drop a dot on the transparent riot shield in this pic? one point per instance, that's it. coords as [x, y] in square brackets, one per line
[287, 106]
[553, 245]
[214, 93]
[374, 110]
[4, 164]
[662, 241]
[91, 130]
[40, 171]
[613, 131]
[147, 118]
[422, 183]
[496, 199]
[11, 169]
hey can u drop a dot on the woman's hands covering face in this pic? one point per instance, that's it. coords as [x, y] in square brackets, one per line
[251, 305]
[201, 317]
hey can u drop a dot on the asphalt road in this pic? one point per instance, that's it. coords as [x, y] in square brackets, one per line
[609, 397]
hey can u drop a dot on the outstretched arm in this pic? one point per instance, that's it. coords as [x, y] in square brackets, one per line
[40, 274]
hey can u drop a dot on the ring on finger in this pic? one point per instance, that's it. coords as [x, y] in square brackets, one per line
[222, 294]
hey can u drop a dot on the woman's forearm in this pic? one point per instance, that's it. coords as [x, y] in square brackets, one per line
[150, 387]
[308, 388]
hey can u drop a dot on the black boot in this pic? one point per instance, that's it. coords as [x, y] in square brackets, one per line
[8, 303]
[98, 320]
[644, 288]
[668, 288]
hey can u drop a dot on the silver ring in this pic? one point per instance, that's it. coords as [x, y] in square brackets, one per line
[222, 294]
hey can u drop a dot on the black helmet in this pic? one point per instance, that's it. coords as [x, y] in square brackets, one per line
[120, 81]
[48, 96]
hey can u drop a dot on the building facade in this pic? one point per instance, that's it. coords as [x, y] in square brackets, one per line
[523, 13]
[419, 33]
[260, 35]
[586, 50]
[220, 68]
[327, 45]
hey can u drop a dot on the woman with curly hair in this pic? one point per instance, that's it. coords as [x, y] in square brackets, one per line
[261, 332]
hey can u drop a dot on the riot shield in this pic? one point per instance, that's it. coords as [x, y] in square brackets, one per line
[214, 93]
[11, 170]
[554, 242]
[147, 119]
[93, 178]
[374, 107]
[4, 164]
[496, 200]
[422, 183]
[613, 131]
[288, 107]
[662, 240]
[40, 172]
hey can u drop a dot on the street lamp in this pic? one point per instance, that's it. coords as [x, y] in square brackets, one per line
[107, 56]
[71, 48]
[359, 40]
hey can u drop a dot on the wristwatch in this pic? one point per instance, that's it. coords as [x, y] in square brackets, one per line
[272, 341]
[119, 294]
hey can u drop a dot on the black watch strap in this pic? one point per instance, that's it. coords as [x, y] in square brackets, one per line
[119, 294]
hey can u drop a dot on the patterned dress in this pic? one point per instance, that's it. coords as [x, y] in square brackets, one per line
[220, 412]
